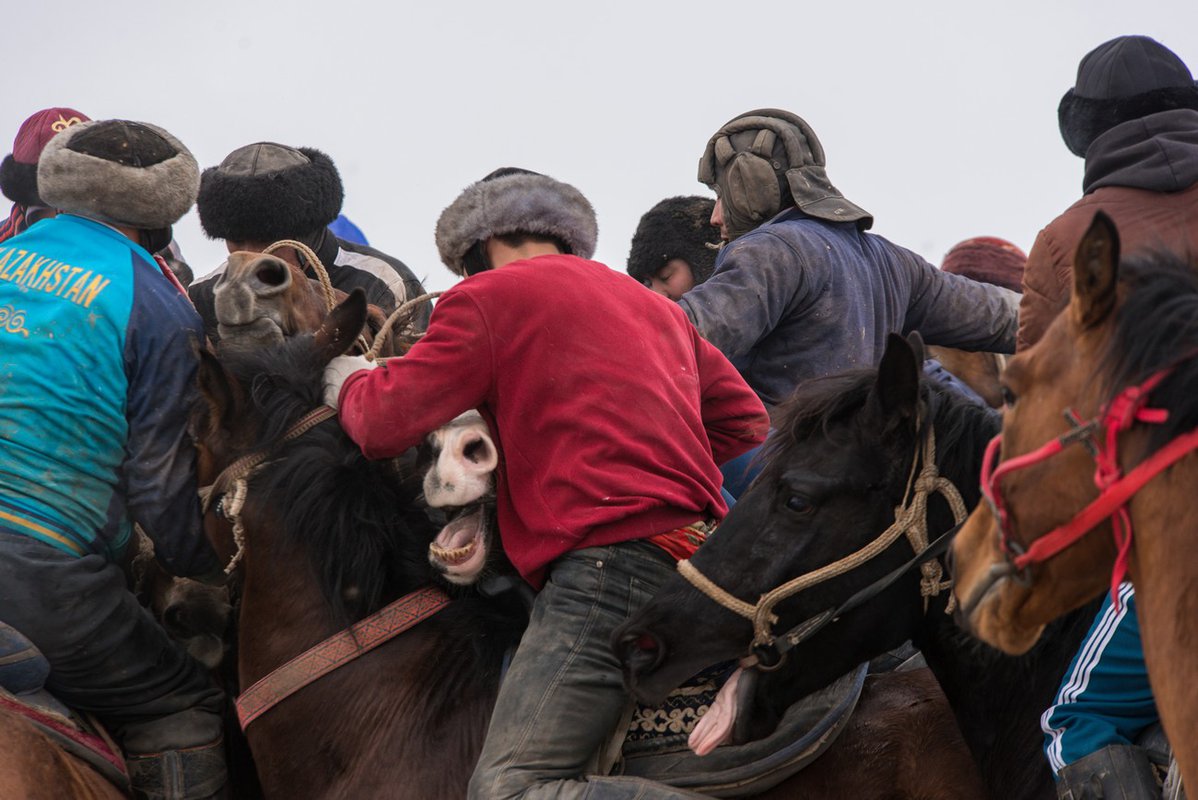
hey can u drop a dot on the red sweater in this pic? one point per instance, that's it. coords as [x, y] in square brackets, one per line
[609, 411]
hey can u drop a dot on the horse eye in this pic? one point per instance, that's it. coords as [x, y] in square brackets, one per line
[799, 504]
[1008, 397]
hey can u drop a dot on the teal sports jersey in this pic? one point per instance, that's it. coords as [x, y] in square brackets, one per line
[97, 374]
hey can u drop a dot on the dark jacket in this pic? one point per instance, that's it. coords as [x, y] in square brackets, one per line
[801, 298]
[1144, 174]
[387, 281]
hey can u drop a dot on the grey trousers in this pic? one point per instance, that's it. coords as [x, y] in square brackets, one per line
[107, 655]
[564, 696]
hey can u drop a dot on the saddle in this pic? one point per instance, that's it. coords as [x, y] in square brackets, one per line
[23, 673]
[655, 746]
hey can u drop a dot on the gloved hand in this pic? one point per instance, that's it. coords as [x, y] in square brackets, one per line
[338, 371]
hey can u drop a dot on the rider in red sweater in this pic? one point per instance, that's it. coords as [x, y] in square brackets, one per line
[610, 413]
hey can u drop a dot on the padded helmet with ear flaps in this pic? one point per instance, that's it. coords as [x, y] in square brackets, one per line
[765, 160]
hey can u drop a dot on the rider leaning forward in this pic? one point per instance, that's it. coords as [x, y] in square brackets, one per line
[610, 412]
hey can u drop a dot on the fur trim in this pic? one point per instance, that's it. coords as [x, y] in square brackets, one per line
[148, 198]
[1084, 119]
[678, 227]
[286, 203]
[19, 182]
[513, 203]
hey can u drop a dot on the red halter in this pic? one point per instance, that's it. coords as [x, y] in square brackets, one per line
[1114, 488]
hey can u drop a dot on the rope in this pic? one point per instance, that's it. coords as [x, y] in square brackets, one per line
[407, 308]
[232, 505]
[322, 274]
[707, 587]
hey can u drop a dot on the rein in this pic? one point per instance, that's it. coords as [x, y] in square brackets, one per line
[910, 519]
[1114, 488]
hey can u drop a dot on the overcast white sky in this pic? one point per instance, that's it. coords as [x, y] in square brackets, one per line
[938, 117]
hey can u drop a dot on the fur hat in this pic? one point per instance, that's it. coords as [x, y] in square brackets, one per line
[766, 160]
[119, 172]
[264, 192]
[1121, 80]
[678, 227]
[18, 170]
[987, 259]
[515, 201]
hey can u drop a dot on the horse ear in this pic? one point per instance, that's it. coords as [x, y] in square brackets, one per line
[1095, 272]
[220, 391]
[895, 396]
[916, 343]
[341, 327]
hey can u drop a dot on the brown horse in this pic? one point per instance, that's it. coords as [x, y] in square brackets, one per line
[261, 299]
[1130, 324]
[327, 542]
[33, 767]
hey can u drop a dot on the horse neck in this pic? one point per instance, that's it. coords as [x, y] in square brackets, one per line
[1162, 570]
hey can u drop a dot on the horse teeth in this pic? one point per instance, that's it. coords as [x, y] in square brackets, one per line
[454, 555]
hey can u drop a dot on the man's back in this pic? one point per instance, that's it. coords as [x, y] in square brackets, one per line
[88, 317]
[800, 298]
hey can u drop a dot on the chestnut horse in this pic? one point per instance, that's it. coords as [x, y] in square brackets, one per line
[839, 464]
[1129, 324]
[327, 541]
[33, 767]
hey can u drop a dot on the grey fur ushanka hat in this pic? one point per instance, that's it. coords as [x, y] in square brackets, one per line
[517, 202]
[119, 172]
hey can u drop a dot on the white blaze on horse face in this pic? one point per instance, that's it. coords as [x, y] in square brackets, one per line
[465, 458]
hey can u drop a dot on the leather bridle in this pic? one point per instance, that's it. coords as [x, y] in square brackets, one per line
[1100, 436]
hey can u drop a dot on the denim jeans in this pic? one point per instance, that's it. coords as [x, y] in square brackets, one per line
[564, 696]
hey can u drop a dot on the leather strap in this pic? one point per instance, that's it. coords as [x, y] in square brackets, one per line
[338, 650]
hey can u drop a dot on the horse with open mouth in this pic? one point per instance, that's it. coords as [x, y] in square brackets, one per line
[854, 455]
[327, 539]
[1099, 429]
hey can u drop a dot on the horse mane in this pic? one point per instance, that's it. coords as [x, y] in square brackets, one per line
[963, 427]
[354, 517]
[1156, 325]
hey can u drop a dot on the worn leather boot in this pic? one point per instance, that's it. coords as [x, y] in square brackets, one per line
[197, 773]
[1116, 772]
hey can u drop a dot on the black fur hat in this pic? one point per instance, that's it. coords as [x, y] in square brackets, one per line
[265, 192]
[1121, 80]
[677, 227]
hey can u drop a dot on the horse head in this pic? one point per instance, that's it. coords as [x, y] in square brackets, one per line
[840, 462]
[1125, 322]
[261, 299]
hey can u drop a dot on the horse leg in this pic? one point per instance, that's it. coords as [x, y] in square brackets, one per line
[902, 743]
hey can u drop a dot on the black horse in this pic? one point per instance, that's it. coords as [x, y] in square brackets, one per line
[838, 466]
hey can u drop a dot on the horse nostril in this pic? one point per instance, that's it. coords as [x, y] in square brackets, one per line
[272, 273]
[174, 618]
[641, 651]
